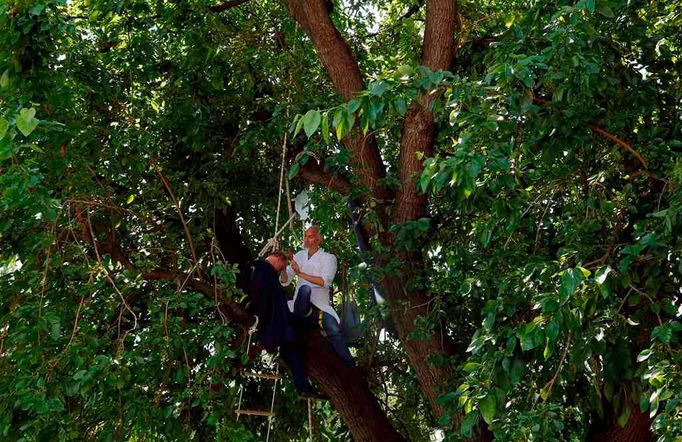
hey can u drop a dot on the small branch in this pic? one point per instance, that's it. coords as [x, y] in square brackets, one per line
[106, 271]
[75, 322]
[620, 142]
[550, 384]
[182, 218]
[227, 5]
[606, 135]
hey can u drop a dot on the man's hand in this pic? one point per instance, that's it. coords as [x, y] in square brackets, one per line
[294, 266]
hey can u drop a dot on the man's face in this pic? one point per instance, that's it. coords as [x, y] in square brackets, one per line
[312, 238]
[277, 263]
[280, 264]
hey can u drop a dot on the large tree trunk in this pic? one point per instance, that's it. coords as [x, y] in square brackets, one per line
[348, 391]
[418, 138]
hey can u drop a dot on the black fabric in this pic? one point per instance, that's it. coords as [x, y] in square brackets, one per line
[261, 283]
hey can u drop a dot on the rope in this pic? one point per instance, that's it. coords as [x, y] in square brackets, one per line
[291, 210]
[310, 421]
[273, 243]
[281, 181]
[252, 330]
[272, 402]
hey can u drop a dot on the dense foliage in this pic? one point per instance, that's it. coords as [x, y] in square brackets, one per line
[134, 133]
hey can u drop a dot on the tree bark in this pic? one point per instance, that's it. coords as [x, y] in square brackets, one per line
[418, 138]
[344, 72]
[637, 429]
[348, 391]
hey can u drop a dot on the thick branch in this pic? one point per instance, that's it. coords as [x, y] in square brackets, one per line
[227, 5]
[619, 142]
[344, 72]
[314, 173]
[234, 311]
[419, 127]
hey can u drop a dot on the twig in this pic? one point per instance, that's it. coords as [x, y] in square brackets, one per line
[607, 135]
[537, 234]
[182, 218]
[215, 281]
[157, 224]
[75, 322]
[550, 384]
[106, 271]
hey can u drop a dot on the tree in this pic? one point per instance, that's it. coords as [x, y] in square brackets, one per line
[519, 174]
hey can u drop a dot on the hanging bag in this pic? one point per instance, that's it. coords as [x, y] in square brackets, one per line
[351, 326]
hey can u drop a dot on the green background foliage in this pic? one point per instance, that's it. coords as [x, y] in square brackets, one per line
[553, 252]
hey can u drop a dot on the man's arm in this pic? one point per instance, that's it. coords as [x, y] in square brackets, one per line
[311, 278]
[327, 271]
[286, 276]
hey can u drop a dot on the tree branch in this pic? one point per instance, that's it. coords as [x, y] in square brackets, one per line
[608, 135]
[344, 72]
[314, 173]
[227, 5]
[419, 128]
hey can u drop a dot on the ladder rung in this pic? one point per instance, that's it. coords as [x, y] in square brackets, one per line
[255, 412]
[262, 375]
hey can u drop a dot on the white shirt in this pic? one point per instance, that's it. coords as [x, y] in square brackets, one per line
[321, 264]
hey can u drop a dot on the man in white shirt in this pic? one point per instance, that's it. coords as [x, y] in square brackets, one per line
[315, 269]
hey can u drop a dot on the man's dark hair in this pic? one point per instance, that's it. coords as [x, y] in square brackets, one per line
[280, 255]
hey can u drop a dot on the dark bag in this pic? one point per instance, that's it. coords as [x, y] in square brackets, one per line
[352, 327]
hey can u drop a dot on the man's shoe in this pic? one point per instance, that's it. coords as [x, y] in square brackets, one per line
[312, 394]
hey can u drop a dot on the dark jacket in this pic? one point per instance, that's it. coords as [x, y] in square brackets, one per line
[261, 283]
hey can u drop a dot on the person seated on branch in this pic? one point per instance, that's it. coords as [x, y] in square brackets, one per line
[260, 281]
[315, 270]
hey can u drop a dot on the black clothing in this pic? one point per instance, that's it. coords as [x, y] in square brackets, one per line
[260, 282]
[268, 302]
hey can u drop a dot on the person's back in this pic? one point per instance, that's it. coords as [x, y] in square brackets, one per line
[268, 302]
[260, 281]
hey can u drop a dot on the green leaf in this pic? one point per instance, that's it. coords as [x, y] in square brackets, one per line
[400, 105]
[299, 126]
[516, 372]
[644, 355]
[606, 11]
[293, 171]
[130, 199]
[37, 9]
[325, 127]
[570, 281]
[339, 123]
[377, 88]
[4, 80]
[5, 149]
[4, 126]
[488, 408]
[353, 105]
[468, 424]
[311, 121]
[26, 122]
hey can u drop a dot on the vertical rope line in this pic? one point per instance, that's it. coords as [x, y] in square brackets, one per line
[272, 403]
[281, 183]
[310, 421]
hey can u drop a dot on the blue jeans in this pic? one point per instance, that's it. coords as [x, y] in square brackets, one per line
[304, 309]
